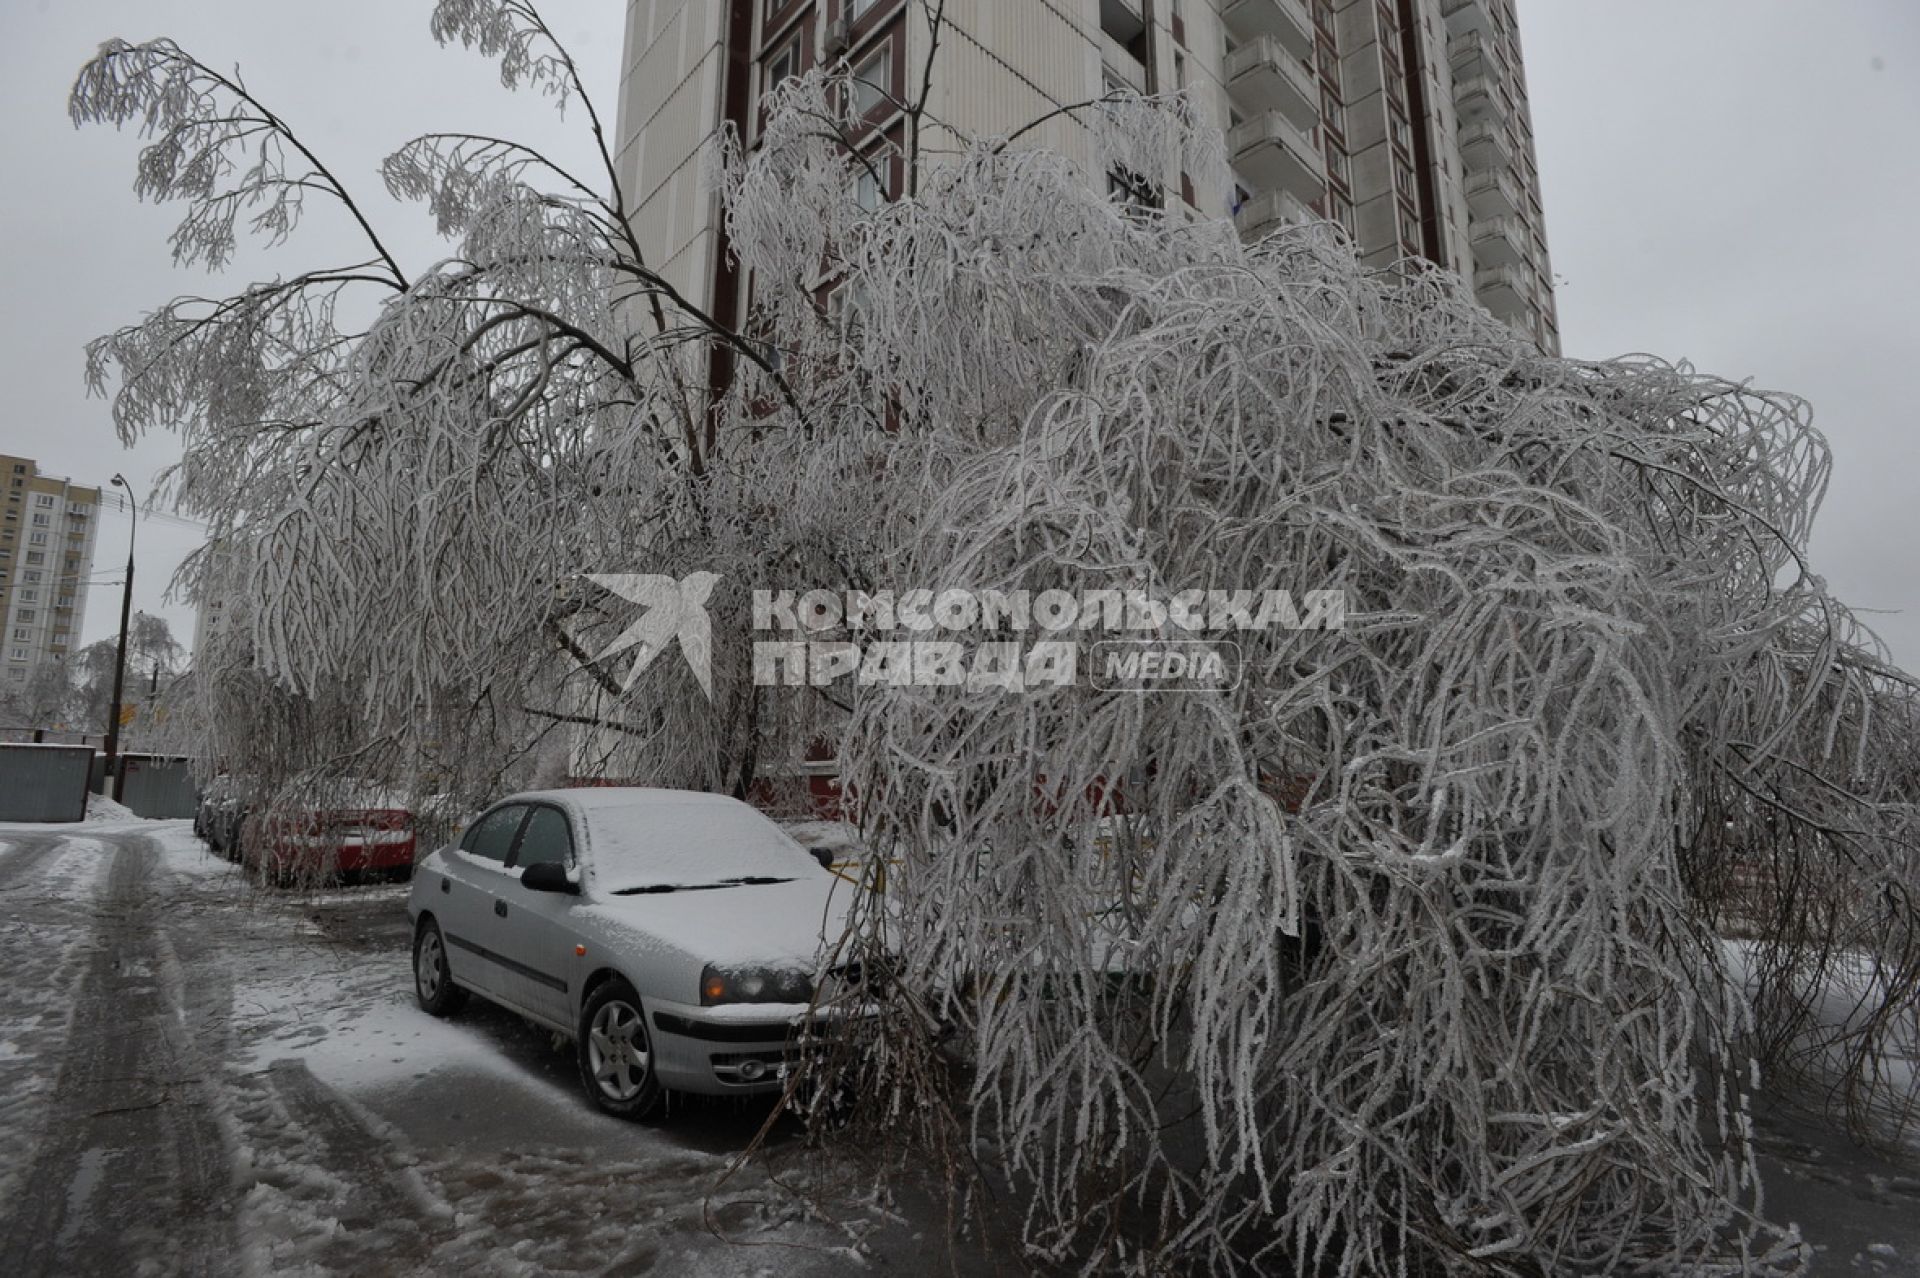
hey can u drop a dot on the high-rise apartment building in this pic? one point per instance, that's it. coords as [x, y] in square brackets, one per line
[46, 558]
[1405, 121]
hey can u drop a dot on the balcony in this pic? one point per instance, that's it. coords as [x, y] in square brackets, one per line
[1484, 144]
[1266, 213]
[1283, 20]
[1274, 155]
[1121, 21]
[1119, 67]
[1499, 241]
[1464, 16]
[1492, 194]
[1470, 57]
[1263, 74]
[1501, 289]
[1478, 97]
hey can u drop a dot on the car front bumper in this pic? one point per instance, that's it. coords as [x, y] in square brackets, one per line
[732, 1050]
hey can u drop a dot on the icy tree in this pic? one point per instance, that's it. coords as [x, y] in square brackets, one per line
[1399, 955]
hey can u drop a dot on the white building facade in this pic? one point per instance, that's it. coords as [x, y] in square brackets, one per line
[1405, 121]
[47, 531]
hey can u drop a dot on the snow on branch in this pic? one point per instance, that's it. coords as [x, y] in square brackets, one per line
[1400, 954]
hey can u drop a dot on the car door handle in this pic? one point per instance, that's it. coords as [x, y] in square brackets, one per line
[500, 908]
[446, 885]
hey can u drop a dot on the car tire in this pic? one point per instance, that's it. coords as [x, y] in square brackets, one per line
[432, 977]
[616, 1053]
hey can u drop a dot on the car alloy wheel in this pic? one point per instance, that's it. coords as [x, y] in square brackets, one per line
[615, 1053]
[432, 978]
[617, 1050]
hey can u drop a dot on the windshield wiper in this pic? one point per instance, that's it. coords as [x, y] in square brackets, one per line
[750, 880]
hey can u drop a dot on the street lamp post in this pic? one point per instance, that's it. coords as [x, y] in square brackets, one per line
[112, 783]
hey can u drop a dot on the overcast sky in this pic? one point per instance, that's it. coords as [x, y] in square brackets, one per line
[1730, 182]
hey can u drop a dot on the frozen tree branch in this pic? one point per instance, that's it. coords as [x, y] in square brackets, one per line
[1399, 955]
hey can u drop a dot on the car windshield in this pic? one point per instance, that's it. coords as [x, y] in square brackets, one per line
[659, 847]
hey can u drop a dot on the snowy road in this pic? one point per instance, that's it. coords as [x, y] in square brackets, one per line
[131, 1162]
[199, 1078]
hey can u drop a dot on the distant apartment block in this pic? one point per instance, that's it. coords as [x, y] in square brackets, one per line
[1405, 121]
[46, 558]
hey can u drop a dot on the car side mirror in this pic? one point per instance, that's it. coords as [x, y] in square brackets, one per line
[548, 876]
[823, 856]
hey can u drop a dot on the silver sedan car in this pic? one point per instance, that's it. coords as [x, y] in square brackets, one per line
[679, 939]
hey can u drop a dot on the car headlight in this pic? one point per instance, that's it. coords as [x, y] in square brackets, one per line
[753, 985]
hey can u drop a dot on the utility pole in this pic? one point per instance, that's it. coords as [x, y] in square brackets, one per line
[112, 783]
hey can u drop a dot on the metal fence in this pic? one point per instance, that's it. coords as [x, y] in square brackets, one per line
[157, 786]
[44, 782]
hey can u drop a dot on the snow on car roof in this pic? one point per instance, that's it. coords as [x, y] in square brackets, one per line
[601, 797]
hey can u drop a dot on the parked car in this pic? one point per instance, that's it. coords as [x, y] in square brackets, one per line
[221, 811]
[320, 829]
[679, 939]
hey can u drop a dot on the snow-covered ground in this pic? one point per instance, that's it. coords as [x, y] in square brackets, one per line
[238, 1080]
[328, 1125]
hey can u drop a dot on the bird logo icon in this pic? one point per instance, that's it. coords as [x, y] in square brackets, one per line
[674, 610]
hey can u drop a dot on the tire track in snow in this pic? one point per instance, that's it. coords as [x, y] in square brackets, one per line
[385, 1217]
[22, 863]
[131, 1175]
[46, 917]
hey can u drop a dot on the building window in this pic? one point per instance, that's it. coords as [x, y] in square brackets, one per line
[857, 9]
[1329, 62]
[28, 614]
[37, 539]
[783, 65]
[1132, 190]
[867, 183]
[43, 499]
[873, 83]
[40, 520]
